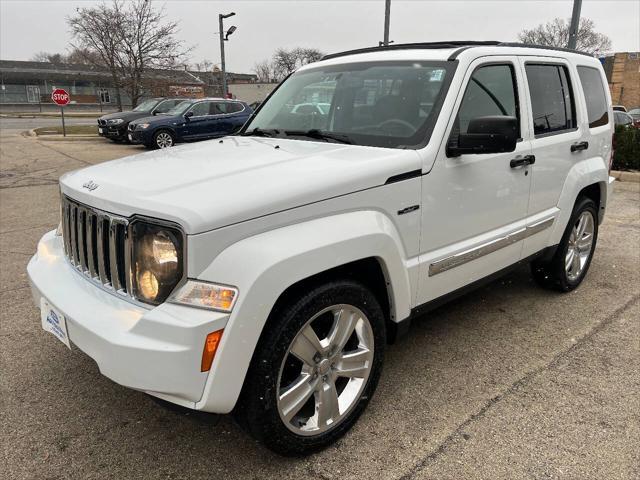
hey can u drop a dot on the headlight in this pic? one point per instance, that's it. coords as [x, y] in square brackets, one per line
[157, 261]
[143, 126]
[115, 121]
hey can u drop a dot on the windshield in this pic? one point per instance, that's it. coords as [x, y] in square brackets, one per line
[146, 106]
[385, 104]
[180, 108]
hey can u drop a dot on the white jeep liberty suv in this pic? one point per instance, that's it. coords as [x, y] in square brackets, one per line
[265, 272]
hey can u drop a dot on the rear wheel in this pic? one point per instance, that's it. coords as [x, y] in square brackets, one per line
[569, 265]
[315, 369]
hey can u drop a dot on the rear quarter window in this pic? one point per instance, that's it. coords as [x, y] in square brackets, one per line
[594, 95]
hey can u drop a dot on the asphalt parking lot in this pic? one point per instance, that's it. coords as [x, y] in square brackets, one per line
[511, 381]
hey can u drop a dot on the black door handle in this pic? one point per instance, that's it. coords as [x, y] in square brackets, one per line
[579, 146]
[522, 161]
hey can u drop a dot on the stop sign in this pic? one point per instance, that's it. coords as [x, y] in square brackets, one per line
[60, 96]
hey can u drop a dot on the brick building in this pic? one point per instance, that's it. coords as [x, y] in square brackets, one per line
[623, 74]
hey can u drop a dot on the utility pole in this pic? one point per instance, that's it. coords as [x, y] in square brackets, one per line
[575, 24]
[221, 18]
[387, 14]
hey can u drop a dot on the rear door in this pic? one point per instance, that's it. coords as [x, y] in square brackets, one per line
[474, 205]
[558, 140]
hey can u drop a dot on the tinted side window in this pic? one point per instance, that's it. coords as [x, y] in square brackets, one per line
[551, 98]
[200, 109]
[491, 91]
[233, 107]
[594, 95]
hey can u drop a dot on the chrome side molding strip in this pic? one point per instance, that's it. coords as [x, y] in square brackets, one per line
[461, 258]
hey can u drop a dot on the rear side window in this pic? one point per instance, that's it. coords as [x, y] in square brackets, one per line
[552, 102]
[594, 95]
[233, 107]
[491, 91]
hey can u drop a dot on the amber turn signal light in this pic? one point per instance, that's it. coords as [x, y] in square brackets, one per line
[210, 346]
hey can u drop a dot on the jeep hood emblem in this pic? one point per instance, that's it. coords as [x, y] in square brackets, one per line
[90, 185]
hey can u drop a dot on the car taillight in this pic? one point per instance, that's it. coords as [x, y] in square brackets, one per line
[613, 150]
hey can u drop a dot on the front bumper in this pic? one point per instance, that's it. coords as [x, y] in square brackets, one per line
[138, 136]
[157, 350]
[117, 131]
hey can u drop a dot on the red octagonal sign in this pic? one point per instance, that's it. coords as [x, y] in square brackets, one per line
[60, 96]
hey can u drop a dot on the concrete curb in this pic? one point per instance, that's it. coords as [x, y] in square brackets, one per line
[53, 115]
[68, 138]
[60, 138]
[626, 176]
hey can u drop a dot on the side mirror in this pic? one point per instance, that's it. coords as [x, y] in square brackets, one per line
[492, 134]
[188, 115]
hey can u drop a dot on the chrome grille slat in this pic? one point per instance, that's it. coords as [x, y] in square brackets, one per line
[113, 256]
[72, 237]
[89, 222]
[82, 260]
[102, 271]
[97, 244]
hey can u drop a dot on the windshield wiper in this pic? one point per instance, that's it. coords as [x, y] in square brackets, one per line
[320, 135]
[259, 132]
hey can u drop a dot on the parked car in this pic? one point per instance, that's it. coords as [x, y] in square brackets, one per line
[191, 120]
[114, 125]
[619, 108]
[264, 274]
[635, 114]
[622, 118]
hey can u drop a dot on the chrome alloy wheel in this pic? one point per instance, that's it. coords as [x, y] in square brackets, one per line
[325, 370]
[580, 245]
[164, 140]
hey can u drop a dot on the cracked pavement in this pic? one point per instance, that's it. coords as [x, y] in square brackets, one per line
[510, 381]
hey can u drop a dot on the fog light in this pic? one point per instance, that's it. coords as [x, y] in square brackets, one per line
[148, 285]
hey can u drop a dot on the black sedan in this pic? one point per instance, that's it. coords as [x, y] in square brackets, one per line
[114, 125]
[196, 119]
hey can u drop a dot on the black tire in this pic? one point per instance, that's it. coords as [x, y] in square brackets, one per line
[162, 132]
[552, 274]
[257, 410]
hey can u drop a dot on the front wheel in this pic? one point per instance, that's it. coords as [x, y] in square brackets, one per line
[572, 259]
[315, 368]
[163, 139]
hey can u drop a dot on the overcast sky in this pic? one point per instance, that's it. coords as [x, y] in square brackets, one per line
[27, 26]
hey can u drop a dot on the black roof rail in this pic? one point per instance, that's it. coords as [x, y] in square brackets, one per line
[461, 44]
[416, 46]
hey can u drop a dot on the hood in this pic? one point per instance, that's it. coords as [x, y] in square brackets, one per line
[126, 116]
[212, 184]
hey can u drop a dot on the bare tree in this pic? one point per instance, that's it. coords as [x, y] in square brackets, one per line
[556, 34]
[264, 71]
[204, 65]
[308, 55]
[286, 61]
[95, 28]
[130, 37]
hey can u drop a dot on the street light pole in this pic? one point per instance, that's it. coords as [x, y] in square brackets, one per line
[575, 24]
[387, 15]
[221, 18]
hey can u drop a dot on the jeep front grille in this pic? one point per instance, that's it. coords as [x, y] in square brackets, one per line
[97, 244]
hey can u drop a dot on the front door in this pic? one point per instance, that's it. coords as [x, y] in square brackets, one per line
[474, 205]
[198, 123]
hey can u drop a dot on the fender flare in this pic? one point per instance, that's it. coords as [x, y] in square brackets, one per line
[263, 266]
[587, 172]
